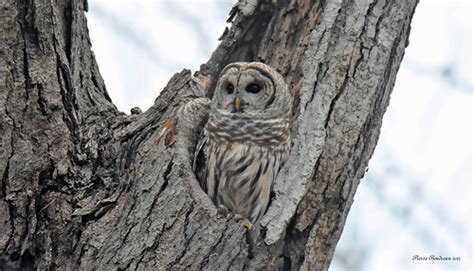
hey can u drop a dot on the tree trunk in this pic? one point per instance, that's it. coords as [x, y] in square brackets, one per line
[84, 186]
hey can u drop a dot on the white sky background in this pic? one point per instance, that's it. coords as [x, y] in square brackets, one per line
[416, 197]
[140, 44]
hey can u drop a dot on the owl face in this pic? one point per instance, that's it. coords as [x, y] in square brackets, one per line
[244, 88]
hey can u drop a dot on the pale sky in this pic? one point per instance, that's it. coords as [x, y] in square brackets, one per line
[416, 197]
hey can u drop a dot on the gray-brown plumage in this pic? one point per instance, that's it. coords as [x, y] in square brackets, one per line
[246, 138]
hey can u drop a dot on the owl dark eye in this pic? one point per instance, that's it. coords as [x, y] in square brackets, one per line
[230, 88]
[253, 88]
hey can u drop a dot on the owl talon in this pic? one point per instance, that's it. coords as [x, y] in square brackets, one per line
[248, 225]
[237, 217]
[223, 211]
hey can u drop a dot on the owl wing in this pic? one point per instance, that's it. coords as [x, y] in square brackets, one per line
[200, 159]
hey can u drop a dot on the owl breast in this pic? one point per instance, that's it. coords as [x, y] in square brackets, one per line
[243, 159]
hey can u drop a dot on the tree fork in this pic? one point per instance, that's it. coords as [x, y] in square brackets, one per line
[85, 186]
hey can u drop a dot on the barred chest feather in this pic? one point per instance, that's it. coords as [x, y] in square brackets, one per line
[243, 163]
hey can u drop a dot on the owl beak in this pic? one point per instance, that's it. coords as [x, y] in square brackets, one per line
[237, 103]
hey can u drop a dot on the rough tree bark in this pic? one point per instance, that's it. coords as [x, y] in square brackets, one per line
[85, 186]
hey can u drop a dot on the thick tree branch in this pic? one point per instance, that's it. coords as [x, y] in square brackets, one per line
[85, 186]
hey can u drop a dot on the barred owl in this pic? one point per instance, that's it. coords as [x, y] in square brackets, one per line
[246, 138]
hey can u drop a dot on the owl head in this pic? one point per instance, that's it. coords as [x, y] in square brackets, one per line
[251, 87]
